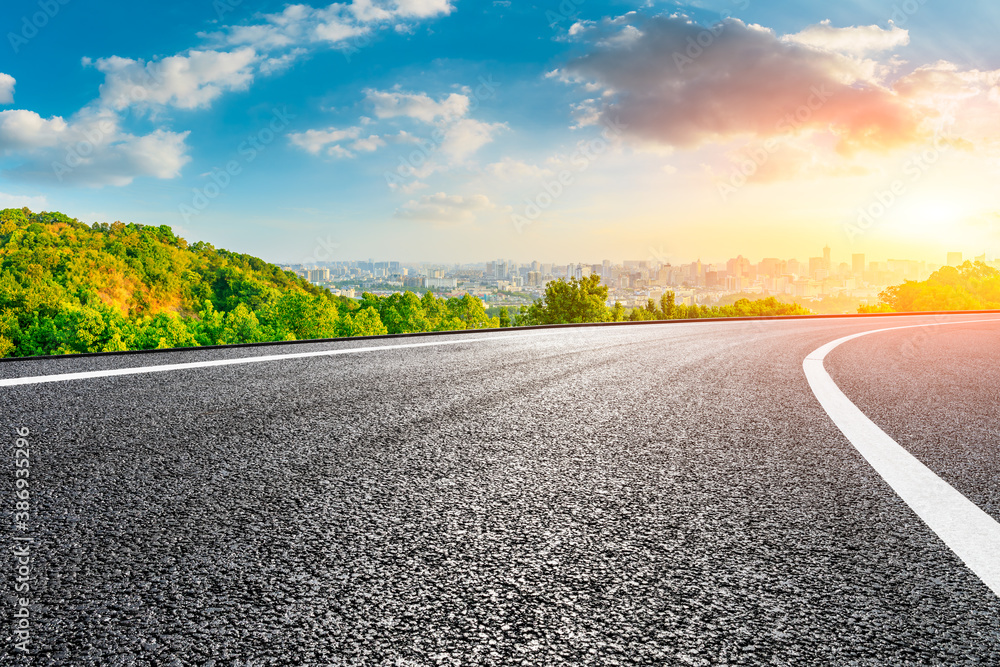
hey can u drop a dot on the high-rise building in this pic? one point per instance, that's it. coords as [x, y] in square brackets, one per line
[739, 266]
[954, 259]
[317, 275]
[858, 264]
[770, 266]
[827, 264]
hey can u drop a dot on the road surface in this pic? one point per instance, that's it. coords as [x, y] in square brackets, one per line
[662, 494]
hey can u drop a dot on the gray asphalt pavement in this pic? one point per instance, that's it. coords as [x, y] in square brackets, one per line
[657, 495]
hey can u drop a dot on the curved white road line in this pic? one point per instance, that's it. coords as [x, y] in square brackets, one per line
[142, 370]
[968, 531]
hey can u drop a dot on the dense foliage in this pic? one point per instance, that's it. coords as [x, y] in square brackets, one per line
[972, 286]
[69, 287]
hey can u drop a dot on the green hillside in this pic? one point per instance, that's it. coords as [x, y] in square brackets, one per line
[69, 287]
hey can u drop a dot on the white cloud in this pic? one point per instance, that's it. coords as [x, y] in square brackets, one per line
[368, 144]
[6, 88]
[21, 129]
[186, 82]
[281, 63]
[467, 136]
[419, 106]
[455, 137]
[445, 208]
[944, 81]
[422, 9]
[853, 40]
[315, 141]
[333, 25]
[89, 149]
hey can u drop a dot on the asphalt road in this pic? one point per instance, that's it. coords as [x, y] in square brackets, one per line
[664, 494]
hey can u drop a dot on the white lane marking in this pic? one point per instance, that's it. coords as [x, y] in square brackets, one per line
[140, 370]
[968, 531]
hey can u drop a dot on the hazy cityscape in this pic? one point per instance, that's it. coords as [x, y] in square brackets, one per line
[826, 282]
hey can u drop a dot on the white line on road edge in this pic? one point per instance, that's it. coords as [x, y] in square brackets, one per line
[968, 531]
[140, 370]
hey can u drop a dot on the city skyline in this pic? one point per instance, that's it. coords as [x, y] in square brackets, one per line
[945, 259]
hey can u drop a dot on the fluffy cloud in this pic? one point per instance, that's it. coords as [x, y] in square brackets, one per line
[368, 144]
[422, 9]
[746, 81]
[89, 149]
[420, 106]
[944, 81]
[314, 141]
[453, 139]
[445, 208]
[856, 40]
[466, 136]
[6, 88]
[333, 25]
[185, 81]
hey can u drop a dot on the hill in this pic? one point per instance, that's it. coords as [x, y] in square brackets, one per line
[68, 287]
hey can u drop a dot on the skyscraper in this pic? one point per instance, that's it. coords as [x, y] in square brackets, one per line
[858, 264]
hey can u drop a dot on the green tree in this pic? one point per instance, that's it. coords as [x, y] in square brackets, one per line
[365, 322]
[573, 301]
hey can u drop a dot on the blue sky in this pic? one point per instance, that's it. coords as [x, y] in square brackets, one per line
[488, 103]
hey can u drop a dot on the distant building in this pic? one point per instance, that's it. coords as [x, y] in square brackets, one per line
[317, 275]
[858, 264]
[954, 259]
[440, 283]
